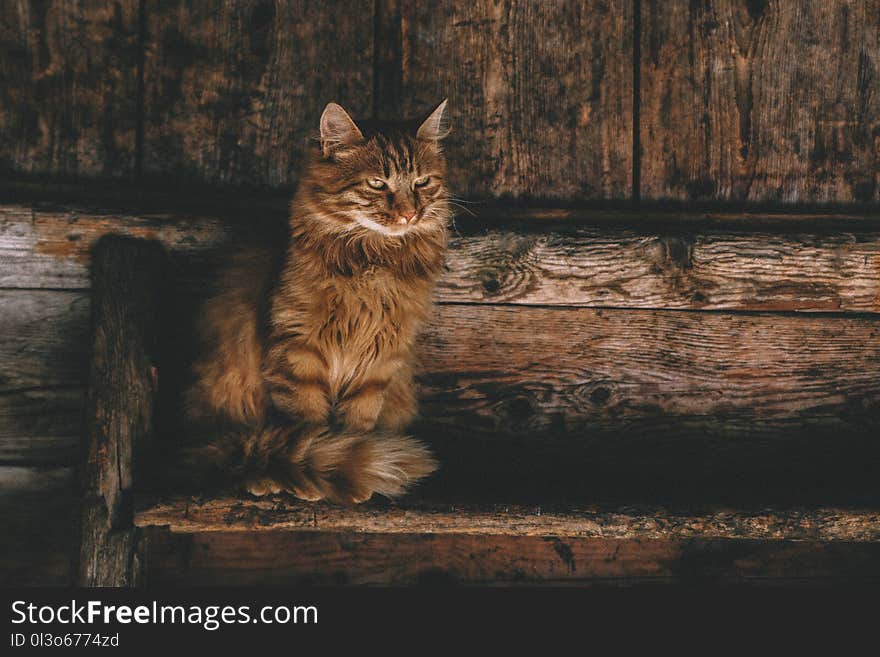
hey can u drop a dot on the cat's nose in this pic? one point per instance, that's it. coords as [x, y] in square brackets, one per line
[406, 217]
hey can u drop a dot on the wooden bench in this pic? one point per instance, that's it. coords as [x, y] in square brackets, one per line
[614, 396]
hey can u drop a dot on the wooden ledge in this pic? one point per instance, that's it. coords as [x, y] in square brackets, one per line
[526, 256]
[188, 515]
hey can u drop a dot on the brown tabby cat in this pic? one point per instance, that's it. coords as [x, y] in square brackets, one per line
[312, 399]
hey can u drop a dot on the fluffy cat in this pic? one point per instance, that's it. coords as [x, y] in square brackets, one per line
[306, 382]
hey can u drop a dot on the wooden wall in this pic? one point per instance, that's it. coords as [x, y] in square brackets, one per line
[767, 100]
[231, 91]
[759, 100]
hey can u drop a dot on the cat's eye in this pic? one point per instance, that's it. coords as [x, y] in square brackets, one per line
[375, 183]
[421, 182]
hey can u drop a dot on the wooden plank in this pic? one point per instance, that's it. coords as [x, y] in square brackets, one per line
[41, 425]
[761, 101]
[44, 339]
[68, 87]
[566, 259]
[233, 514]
[540, 93]
[549, 403]
[42, 374]
[705, 269]
[234, 90]
[127, 276]
[279, 558]
[532, 369]
[50, 248]
[38, 507]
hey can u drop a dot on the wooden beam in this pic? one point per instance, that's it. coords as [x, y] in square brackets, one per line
[283, 558]
[41, 425]
[690, 269]
[566, 258]
[233, 514]
[761, 101]
[44, 337]
[126, 276]
[43, 364]
[504, 368]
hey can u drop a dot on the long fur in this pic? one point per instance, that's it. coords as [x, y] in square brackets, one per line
[305, 382]
[314, 463]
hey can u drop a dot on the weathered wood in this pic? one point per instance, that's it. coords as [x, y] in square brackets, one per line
[234, 90]
[280, 558]
[126, 278]
[565, 259]
[229, 514]
[68, 80]
[496, 368]
[41, 425]
[38, 508]
[708, 269]
[540, 93]
[388, 59]
[757, 101]
[42, 248]
[44, 337]
[42, 374]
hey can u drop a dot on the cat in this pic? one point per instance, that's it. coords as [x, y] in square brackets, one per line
[305, 382]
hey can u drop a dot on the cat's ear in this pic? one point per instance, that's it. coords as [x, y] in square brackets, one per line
[338, 129]
[435, 127]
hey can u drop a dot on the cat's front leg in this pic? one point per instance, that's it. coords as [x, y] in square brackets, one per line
[361, 404]
[359, 408]
[399, 407]
[297, 379]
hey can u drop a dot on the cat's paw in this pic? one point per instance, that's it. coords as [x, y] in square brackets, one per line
[308, 496]
[260, 486]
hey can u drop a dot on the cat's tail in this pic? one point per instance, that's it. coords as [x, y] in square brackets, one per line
[314, 463]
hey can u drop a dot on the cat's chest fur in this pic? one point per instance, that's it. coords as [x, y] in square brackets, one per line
[372, 310]
[357, 317]
[357, 322]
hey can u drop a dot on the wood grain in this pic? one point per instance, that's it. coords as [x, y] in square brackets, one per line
[44, 336]
[68, 87]
[577, 260]
[280, 558]
[761, 101]
[50, 248]
[561, 264]
[495, 368]
[228, 514]
[540, 93]
[43, 359]
[234, 90]
[127, 279]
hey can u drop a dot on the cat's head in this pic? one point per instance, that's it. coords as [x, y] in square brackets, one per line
[373, 178]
